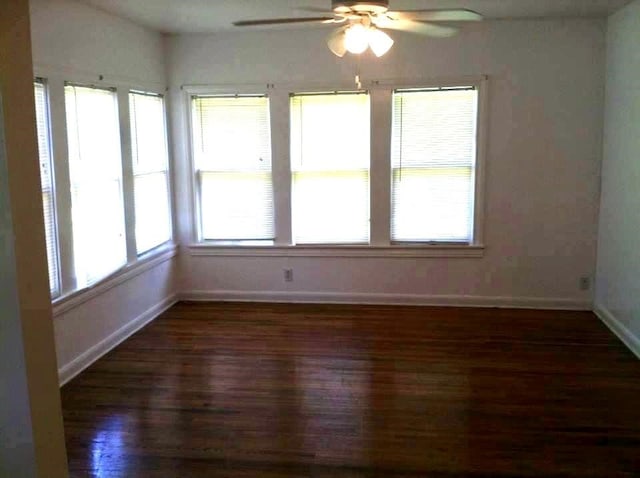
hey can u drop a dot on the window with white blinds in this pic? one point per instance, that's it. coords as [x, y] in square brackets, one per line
[150, 170]
[95, 169]
[46, 177]
[330, 168]
[232, 155]
[433, 162]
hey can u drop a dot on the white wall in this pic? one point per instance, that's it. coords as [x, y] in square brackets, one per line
[74, 38]
[618, 273]
[75, 42]
[545, 144]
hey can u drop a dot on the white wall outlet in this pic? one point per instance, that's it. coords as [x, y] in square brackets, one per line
[288, 275]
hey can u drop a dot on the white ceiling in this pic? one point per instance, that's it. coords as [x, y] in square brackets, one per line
[184, 16]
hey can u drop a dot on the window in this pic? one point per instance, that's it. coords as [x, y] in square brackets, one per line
[388, 172]
[330, 167]
[95, 170]
[433, 160]
[232, 156]
[46, 176]
[150, 171]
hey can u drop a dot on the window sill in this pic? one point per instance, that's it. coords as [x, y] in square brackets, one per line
[421, 251]
[148, 261]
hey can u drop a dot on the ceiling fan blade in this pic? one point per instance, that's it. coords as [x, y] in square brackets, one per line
[458, 15]
[420, 27]
[314, 9]
[283, 21]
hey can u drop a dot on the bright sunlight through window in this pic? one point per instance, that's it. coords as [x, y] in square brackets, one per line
[330, 168]
[46, 176]
[433, 165]
[232, 153]
[150, 171]
[99, 245]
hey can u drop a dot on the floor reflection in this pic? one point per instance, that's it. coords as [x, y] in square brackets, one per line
[108, 447]
[282, 391]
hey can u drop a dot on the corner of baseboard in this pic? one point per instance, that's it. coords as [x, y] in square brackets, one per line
[618, 328]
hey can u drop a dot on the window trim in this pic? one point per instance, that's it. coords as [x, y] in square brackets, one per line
[52, 176]
[148, 261]
[56, 79]
[380, 244]
[166, 171]
[195, 176]
[453, 86]
[293, 172]
[124, 179]
[337, 250]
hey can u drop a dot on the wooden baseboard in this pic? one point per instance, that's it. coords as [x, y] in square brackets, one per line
[387, 299]
[67, 372]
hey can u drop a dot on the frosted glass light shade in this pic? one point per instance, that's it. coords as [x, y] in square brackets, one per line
[336, 42]
[379, 42]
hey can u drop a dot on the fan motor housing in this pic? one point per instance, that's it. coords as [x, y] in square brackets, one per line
[368, 6]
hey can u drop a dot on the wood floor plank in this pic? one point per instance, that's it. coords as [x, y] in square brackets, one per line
[281, 391]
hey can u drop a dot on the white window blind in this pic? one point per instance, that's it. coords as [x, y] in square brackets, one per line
[232, 153]
[46, 177]
[150, 170]
[95, 169]
[330, 168]
[433, 165]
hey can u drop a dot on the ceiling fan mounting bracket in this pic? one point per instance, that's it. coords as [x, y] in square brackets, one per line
[371, 6]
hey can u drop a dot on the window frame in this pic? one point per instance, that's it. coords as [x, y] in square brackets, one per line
[320, 92]
[197, 174]
[478, 168]
[167, 170]
[125, 192]
[189, 92]
[70, 295]
[380, 245]
[57, 291]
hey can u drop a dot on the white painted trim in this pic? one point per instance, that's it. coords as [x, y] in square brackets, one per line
[482, 151]
[619, 329]
[69, 371]
[71, 301]
[546, 303]
[126, 168]
[267, 85]
[426, 82]
[337, 251]
[71, 73]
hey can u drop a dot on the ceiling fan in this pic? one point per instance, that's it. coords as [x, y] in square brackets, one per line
[362, 24]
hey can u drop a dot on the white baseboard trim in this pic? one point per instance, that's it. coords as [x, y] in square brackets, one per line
[69, 371]
[619, 329]
[387, 299]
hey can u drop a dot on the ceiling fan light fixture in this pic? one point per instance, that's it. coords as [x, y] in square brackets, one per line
[379, 42]
[356, 38]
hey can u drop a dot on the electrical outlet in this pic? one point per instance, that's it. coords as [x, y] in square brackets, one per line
[288, 275]
[585, 283]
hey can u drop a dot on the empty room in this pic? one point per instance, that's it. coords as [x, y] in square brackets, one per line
[315, 238]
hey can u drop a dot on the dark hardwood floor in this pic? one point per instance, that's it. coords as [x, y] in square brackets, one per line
[275, 391]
